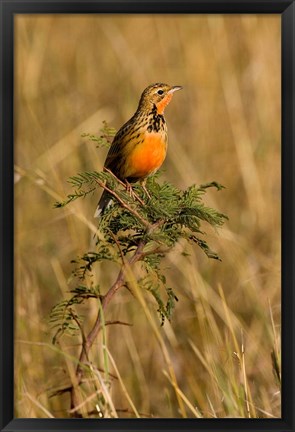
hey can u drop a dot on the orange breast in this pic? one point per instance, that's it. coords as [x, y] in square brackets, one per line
[148, 156]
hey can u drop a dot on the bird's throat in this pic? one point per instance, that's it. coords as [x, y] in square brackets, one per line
[163, 103]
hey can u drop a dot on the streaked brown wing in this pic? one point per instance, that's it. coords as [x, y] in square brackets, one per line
[115, 156]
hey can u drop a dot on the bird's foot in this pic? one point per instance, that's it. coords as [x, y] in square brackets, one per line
[132, 193]
[143, 184]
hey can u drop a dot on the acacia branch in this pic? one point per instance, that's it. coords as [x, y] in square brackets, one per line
[106, 299]
[123, 204]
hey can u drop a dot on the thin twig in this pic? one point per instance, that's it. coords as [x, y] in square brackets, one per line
[126, 185]
[118, 322]
[81, 330]
[123, 204]
[118, 246]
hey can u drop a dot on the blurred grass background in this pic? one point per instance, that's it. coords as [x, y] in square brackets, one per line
[71, 73]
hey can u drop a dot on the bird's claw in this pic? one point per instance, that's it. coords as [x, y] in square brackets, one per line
[132, 194]
[146, 191]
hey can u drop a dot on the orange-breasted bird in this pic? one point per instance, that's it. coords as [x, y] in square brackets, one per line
[140, 146]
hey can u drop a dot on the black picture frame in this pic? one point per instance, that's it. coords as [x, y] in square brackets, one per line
[287, 10]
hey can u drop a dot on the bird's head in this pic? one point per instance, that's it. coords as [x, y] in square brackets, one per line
[157, 95]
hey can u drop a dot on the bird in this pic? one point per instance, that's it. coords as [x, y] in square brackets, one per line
[139, 147]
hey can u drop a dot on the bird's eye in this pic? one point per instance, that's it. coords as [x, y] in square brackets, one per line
[160, 92]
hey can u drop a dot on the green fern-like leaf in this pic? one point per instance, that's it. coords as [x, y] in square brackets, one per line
[63, 317]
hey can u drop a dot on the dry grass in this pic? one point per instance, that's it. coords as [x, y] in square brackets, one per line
[73, 72]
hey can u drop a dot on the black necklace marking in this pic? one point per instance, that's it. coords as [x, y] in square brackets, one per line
[156, 121]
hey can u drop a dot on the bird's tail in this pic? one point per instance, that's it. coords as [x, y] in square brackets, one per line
[104, 202]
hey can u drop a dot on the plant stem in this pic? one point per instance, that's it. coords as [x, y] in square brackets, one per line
[87, 344]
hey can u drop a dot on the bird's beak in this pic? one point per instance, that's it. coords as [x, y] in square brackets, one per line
[173, 89]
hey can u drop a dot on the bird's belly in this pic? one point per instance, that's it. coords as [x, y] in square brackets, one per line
[147, 156]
